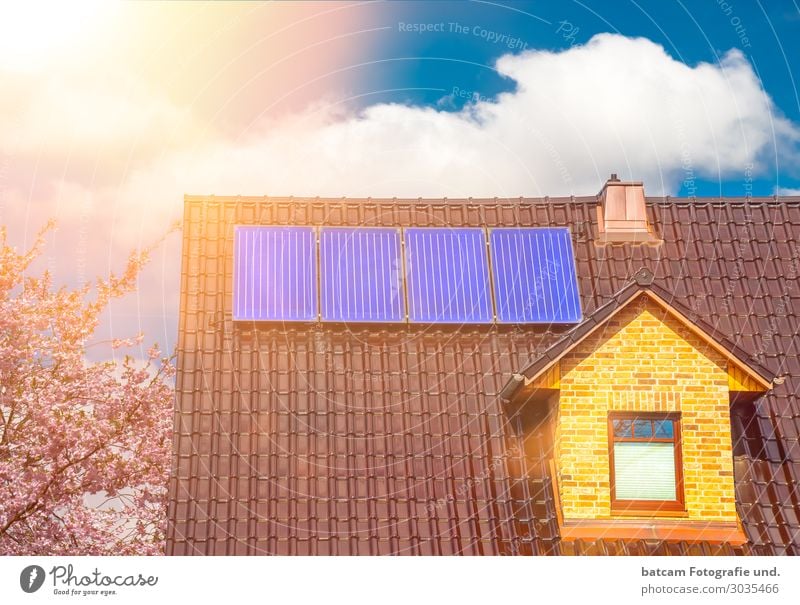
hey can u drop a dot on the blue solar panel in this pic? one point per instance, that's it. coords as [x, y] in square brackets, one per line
[274, 274]
[361, 274]
[534, 276]
[447, 275]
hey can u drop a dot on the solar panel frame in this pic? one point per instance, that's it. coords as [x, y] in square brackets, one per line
[553, 246]
[251, 282]
[386, 260]
[425, 304]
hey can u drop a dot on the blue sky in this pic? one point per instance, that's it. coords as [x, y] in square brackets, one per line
[691, 32]
[111, 112]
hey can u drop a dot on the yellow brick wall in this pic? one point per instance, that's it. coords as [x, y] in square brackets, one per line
[644, 360]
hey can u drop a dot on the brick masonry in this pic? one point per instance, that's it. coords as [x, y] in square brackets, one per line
[644, 360]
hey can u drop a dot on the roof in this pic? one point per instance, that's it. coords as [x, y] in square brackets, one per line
[641, 285]
[328, 439]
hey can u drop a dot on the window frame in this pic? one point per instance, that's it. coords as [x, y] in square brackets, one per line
[647, 507]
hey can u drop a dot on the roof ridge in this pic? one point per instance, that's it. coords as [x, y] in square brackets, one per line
[568, 199]
[192, 198]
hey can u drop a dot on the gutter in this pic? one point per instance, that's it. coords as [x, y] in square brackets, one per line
[512, 386]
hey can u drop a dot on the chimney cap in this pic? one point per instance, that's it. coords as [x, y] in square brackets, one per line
[623, 213]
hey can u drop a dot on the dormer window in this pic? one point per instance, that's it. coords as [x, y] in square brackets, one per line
[645, 463]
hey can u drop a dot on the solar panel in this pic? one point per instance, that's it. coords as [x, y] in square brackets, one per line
[361, 274]
[534, 276]
[447, 275]
[275, 274]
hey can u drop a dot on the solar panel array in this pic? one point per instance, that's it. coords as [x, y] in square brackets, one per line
[416, 274]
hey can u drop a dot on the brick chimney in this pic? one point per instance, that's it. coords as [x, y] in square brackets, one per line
[622, 215]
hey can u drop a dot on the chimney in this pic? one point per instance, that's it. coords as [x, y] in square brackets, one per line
[622, 213]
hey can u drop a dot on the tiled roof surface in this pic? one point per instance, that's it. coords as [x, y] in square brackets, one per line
[324, 439]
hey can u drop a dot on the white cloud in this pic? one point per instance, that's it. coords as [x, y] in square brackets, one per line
[616, 104]
[788, 191]
[84, 117]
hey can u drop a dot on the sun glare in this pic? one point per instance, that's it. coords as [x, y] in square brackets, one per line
[33, 32]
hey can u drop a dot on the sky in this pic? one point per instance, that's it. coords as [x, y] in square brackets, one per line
[110, 113]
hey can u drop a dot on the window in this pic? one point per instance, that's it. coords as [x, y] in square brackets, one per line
[645, 463]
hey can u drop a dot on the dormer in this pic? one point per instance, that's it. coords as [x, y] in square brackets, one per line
[640, 393]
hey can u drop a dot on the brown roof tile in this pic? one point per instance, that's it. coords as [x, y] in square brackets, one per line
[323, 440]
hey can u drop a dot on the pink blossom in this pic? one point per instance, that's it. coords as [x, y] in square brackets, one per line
[84, 447]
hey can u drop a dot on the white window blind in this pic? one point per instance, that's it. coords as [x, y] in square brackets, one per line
[644, 471]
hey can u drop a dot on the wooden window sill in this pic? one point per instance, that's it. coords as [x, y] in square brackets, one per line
[655, 529]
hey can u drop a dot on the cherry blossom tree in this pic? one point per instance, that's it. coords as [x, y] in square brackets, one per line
[84, 446]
